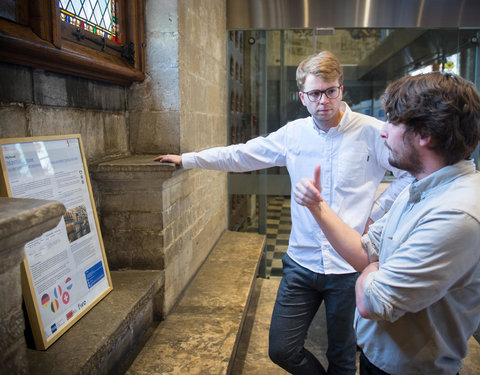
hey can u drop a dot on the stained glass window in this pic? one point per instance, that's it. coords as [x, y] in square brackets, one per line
[97, 17]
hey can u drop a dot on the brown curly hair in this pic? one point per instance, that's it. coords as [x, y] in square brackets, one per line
[441, 105]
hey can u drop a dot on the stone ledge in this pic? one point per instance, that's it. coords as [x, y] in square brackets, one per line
[201, 334]
[102, 340]
[134, 163]
[22, 220]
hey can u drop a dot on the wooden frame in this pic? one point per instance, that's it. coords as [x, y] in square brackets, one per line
[36, 40]
[65, 271]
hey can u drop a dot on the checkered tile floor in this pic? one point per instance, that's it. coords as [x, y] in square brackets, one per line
[278, 231]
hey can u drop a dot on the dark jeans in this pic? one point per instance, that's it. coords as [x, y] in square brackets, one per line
[300, 294]
[368, 368]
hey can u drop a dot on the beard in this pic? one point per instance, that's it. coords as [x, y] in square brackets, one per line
[408, 160]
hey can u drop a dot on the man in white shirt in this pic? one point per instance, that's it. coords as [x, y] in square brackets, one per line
[355, 159]
[418, 297]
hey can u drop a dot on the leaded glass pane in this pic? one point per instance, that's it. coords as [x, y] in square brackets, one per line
[97, 17]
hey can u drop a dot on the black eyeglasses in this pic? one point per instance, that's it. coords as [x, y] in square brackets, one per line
[330, 93]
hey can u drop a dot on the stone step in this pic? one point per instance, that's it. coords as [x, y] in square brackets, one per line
[252, 354]
[201, 333]
[104, 339]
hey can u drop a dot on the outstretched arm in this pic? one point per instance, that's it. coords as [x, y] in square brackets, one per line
[345, 240]
[177, 159]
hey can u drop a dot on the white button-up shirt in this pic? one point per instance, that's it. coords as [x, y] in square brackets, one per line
[354, 159]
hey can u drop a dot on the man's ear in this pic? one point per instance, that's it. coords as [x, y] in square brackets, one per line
[302, 97]
[426, 141]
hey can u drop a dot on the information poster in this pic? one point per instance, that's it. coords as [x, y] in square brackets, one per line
[65, 272]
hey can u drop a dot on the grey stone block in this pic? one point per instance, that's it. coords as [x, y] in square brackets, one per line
[16, 84]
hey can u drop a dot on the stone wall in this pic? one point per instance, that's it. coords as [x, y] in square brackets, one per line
[35, 103]
[180, 107]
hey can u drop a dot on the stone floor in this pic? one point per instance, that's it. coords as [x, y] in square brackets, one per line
[252, 355]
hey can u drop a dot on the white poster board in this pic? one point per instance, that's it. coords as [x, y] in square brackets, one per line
[65, 271]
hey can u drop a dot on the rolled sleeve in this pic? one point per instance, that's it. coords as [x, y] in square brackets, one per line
[371, 240]
[376, 302]
[371, 250]
[422, 268]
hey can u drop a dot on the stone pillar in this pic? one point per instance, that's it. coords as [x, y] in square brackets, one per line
[131, 210]
[158, 216]
[21, 220]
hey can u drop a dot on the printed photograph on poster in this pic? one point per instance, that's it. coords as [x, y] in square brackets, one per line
[65, 268]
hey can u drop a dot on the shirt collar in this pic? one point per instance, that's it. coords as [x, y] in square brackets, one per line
[347, 112]
[419, 189]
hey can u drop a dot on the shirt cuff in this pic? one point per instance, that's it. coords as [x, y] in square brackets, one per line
[378, 308]
[188, 160]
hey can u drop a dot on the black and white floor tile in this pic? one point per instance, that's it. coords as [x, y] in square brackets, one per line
[278, 231]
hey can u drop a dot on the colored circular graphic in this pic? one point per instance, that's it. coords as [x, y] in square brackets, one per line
[57, 291]
[449, 65]
[65, 298]
[68, 283]
[45, 300]
[54, 305]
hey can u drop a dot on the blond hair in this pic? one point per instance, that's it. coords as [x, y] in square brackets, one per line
[323, 65]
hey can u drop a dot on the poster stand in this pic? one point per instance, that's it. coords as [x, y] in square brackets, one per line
[65, 271]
